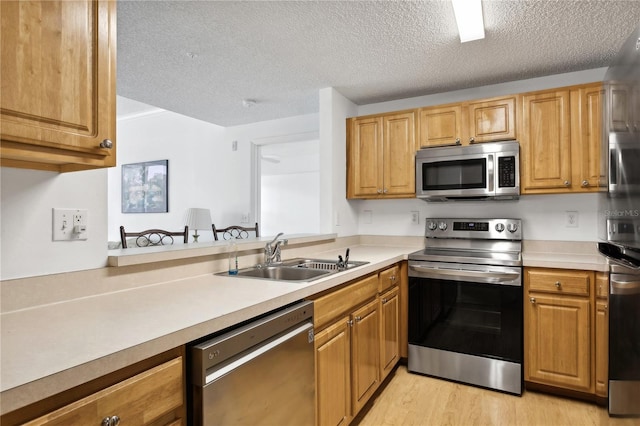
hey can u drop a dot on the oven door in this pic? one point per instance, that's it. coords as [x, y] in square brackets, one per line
[624, 342]
[465, 323]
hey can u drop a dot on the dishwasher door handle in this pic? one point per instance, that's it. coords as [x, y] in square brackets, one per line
[216, 373]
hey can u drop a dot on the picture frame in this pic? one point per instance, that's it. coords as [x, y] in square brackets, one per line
[145, 187]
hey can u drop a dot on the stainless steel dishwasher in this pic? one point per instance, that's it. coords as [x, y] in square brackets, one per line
[261, 373]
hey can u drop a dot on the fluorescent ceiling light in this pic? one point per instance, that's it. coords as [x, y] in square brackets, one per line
[469, 18]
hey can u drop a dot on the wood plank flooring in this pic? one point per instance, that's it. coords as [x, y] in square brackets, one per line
[411, 399]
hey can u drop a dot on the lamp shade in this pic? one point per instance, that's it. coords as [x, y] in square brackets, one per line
[198, 218]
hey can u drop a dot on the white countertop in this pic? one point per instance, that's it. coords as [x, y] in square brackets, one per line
[50, 348]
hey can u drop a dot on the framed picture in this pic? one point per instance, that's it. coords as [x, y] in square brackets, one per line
[144, 187]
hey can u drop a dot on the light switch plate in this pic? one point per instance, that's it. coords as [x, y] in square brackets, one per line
[69, 224]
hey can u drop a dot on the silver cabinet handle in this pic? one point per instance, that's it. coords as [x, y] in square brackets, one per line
[558, 284]
[458, 141]
[384, 300]
[384, 191]
[379, 191]
[472, 140]
[567, 183]
[107, 144]
[350, 323]
[358, 319]
[532, 299]
[111, 421]
[585, 183]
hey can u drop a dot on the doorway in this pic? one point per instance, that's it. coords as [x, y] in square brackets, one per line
[288, 187]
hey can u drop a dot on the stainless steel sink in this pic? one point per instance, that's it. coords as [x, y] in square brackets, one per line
[282, 273]
[298, 269]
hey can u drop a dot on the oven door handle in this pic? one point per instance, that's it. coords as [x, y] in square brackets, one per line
[491, 277]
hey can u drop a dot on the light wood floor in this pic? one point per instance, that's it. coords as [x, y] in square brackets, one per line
[411, 399]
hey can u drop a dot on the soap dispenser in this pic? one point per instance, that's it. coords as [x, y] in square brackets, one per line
[233, 258]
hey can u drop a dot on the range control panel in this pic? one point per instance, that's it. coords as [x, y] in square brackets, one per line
[484, 229]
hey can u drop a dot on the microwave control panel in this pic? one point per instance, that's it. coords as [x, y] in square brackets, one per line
[507, 172]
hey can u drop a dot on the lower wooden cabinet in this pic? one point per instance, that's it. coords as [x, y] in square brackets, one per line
[389, 331]
[602, 335]
[154, 397]
[566, 329]
[333, 374]
[356, 344]
[365, 356]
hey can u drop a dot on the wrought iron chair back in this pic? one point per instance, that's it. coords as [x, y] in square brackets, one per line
[235, 232]
[153, 237]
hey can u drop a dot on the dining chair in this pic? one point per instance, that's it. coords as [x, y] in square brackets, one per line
[235, 232]
[153, 237]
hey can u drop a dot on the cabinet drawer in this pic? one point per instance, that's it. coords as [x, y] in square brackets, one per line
[140, 400]
[559, 281]
[388, 278]
[339, 302]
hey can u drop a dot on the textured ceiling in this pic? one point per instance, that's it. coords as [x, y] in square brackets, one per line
[202, 58]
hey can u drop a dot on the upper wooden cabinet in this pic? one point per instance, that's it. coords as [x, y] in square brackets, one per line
[381, 156]
[560, 134]
[624, 108]
[58, 104]
[485, 120]
[440, 125]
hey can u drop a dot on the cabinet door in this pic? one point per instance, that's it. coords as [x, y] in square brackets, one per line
[492, 120]
[146, 399]
[545, 144]
[601, 351]
[441, 126]
[333, 374]
[365, 158]
[620, 108]
[587, 138]
[558, 341]
[58, 84]
[399, 155]
[389, 331]
[602, 348]
[366, 353]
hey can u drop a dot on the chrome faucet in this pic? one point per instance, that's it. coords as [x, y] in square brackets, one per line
[272, 250]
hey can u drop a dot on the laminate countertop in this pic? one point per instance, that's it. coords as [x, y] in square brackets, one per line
[51, 348]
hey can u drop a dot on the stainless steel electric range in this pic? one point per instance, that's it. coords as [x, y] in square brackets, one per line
[465, 303]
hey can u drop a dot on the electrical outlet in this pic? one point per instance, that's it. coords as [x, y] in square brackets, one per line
[244, 218]
[69, 224]
[415, 217]
[571, 219]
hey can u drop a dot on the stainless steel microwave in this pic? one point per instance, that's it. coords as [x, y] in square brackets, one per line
[487, 171]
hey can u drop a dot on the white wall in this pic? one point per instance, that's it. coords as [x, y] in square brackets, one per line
[193, 148]
[337, 214]
[27, 198]
[543, 216]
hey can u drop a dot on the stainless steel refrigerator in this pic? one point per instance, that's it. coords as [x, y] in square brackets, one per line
[619, 224]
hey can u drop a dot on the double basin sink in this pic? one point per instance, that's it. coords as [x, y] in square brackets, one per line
[298, 269]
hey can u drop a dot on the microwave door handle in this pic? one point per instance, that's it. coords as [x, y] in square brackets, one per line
[490, 173]
[614, 166]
